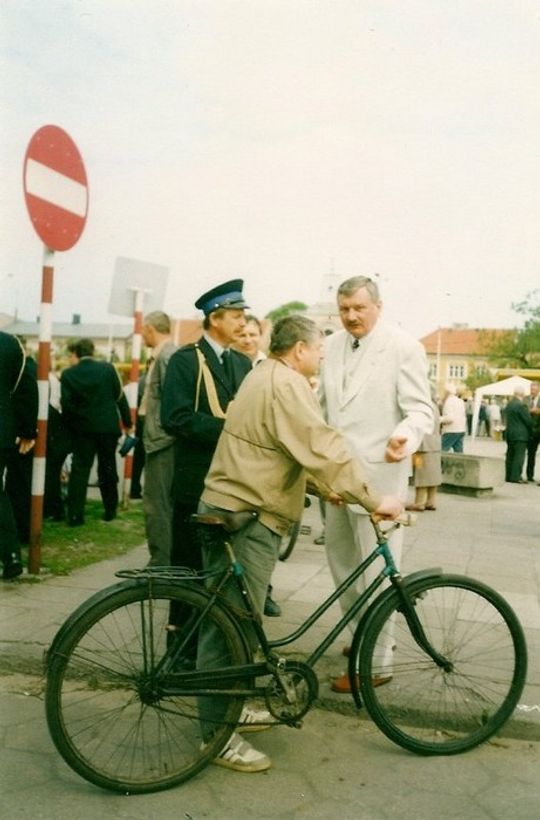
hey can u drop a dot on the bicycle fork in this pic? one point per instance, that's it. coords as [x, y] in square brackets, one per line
[408, 609]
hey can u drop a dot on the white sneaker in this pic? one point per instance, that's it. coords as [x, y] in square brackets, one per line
[240, 756]
[254, 720]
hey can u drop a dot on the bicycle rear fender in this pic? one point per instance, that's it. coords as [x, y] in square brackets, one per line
[408, 580]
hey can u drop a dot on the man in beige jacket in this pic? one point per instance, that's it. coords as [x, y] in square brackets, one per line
[274, 435]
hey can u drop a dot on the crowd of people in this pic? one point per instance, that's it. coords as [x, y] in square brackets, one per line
[226, 428]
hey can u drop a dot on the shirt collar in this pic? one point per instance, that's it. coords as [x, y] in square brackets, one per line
[216, 347]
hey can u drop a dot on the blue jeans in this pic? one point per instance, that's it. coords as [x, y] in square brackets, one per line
[452, 441]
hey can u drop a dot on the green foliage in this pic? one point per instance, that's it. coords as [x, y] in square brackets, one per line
[519, 347]
[65, 549]
[285, 310]
[476, 378]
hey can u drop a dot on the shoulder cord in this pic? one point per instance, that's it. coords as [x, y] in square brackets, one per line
[15, 386]
[211, 392]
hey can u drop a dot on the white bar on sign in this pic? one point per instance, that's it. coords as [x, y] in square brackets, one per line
[47, 184]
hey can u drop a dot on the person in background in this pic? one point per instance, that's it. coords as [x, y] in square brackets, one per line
[58, 449]
[158, 445]
[249, 343]
[518, 432]
[18, 433]
[533, 403]
[453, 421]
[374, 388]
[135, 490]
[427, 465]
[93, 403]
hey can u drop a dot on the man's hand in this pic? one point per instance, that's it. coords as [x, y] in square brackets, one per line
[389, 508]
[395, 449]
[335, 499]
[25, 444]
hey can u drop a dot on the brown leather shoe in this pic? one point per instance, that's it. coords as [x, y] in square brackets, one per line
[342, 685]
[415, 507]
[430, 507]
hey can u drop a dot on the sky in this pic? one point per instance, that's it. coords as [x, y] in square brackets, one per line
[280, 141]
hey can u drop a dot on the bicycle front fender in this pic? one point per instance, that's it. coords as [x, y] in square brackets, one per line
[407, 581]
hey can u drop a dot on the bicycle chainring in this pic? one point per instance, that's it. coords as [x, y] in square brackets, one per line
[291, 692]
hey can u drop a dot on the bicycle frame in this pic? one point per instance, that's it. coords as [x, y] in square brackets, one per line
[235, 573]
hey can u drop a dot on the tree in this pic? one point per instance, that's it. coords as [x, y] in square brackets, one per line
[285, 310]
[519, 347]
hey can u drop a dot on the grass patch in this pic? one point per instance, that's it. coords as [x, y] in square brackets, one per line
[64, 549]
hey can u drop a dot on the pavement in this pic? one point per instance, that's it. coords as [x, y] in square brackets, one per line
[494, 538]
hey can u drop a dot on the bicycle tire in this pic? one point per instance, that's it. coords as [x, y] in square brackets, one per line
[423, 708]
[104, 710]
[289, 541]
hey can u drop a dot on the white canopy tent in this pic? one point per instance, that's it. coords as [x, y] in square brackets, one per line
[505, 387]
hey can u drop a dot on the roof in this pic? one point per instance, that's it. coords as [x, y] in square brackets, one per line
[460, 341]
[71, 331]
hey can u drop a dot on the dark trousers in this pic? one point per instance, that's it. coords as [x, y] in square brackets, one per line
[58, 449]
[85, 447]
[138, 460]
[186, 552]
[515, 457]
[19, 489]
[9, 542]
[532, 447]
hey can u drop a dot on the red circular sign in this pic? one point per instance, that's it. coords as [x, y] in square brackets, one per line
[55, 188]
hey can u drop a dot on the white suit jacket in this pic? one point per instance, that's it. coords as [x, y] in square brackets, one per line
[387, 395]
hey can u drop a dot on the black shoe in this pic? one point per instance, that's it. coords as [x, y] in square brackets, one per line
[320, 540]
[75, 521]
[271, 608]
[12, 567]
[108, 516]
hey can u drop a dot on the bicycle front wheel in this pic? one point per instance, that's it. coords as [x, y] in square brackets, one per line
[114, 700]
[419, 705]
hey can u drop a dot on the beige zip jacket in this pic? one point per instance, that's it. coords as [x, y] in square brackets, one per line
[274, 435]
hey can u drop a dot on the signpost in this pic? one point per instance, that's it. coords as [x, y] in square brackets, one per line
[56, 194]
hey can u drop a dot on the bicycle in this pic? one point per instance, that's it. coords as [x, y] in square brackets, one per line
[124, 705]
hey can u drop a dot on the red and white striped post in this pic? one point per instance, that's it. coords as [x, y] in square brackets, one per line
[133, 384]
[40, 451]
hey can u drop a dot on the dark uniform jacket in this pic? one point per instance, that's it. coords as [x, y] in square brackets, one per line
[92, 398]
[18, 393]
[196, 431]
[518, 421]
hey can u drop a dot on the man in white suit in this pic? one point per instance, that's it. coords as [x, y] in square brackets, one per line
[374, 389]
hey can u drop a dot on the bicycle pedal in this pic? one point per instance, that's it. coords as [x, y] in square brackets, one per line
[305, 529]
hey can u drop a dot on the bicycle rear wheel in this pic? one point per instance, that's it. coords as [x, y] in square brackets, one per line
[422, 707]
[108, 710]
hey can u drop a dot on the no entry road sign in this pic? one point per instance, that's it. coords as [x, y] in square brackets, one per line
[55, 188]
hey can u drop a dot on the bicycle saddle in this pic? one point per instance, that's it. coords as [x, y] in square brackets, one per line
[230, 521]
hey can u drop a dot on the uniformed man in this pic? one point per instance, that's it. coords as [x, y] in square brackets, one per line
[201, 379]
[18, 420]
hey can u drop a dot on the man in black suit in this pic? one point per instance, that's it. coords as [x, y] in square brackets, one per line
[93, 402]
[201, 379]
[18, 419]
[518, 431]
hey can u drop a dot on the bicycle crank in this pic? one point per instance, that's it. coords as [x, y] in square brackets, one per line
[291, 692]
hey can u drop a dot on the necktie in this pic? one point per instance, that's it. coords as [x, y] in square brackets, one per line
[356, 344]
[227, 366]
